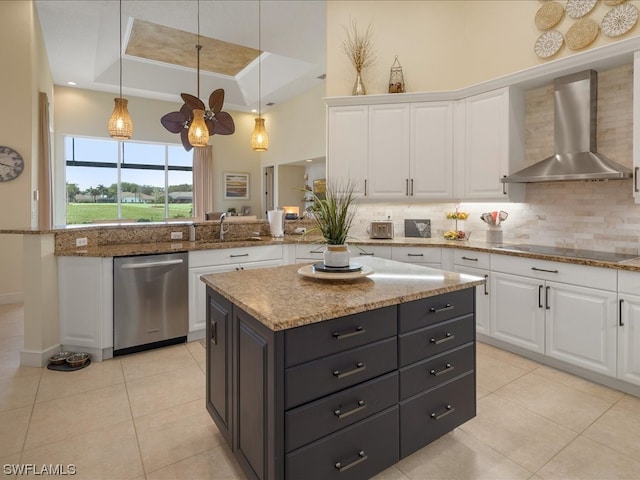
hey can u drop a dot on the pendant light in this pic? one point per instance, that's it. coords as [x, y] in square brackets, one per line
[198, 131]
[120, 125]
[259, 137]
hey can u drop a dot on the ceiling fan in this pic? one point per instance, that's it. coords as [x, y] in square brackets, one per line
[217, 121]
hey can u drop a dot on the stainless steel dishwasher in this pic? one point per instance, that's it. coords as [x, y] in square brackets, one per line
[150, 301]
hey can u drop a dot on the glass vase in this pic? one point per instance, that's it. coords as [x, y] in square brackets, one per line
[358, 86]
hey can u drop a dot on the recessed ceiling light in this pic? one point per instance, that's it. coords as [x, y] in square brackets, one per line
[253, 110]
[73, 84]
[309, 160]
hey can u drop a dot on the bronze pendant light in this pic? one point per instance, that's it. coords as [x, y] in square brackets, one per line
[259, 137]
[120, 125]
[198, 131]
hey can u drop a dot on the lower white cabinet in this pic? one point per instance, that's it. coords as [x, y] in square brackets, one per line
[426, 256]
[629, 326]
[573, 320]
[85, 302]
[483, 299]
[204, 262]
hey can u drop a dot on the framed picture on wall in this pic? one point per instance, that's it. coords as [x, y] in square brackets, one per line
[236, 186]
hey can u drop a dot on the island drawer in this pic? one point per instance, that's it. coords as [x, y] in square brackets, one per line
[312, 380]
[333, 336]
[427, 311]
[427, 417]
[435, 371]
[426, 342]
[356, 452]
[317, 419]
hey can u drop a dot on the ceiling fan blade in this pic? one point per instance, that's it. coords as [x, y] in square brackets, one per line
[187, 112]
[194, 103]
[216, 99]
[224, 124]
[173, 121]
[211, 126]
[184, 136]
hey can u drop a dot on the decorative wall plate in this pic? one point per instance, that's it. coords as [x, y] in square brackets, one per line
[549, 15]
[548, 43]
[582, 33]
[579, 8]
[619, 20]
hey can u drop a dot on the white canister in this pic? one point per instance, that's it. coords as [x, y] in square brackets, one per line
[494, 235]
[336, 256]
[276, 223]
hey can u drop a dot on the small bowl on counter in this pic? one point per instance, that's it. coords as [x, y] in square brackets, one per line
[60, 358]
[78, 359]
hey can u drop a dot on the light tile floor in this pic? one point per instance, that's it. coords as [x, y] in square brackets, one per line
[142, 416]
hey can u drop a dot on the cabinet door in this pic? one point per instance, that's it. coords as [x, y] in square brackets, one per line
[347, 145]
[629, 339]
[517, 307]
[483, 299]
[581, 326]
[218, 344]
[389, 151]
[431, 150]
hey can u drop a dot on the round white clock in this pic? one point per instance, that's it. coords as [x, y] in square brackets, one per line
[11, 164]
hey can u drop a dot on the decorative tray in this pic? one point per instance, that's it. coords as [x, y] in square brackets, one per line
[321, 267]
[311, 272]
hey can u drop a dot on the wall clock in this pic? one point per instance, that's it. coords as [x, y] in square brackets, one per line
[11, 164]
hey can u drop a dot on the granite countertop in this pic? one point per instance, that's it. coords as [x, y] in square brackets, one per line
[281, 298]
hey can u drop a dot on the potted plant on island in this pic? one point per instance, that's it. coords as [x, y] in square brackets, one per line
[332, 217]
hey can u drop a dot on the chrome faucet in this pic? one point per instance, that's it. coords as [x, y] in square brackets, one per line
[222, 230]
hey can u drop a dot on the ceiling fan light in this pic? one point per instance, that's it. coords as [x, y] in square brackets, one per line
[120, 125]
[198, 131]
[259, 137]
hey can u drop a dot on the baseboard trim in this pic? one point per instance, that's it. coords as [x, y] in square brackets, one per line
[32, 358]
[8, 298]
[195, 335]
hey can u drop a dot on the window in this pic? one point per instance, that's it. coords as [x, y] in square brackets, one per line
[110, 180]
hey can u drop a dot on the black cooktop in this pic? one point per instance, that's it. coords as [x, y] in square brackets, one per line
[569, 252]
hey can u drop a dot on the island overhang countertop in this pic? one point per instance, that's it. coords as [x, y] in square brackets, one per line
[281, 298]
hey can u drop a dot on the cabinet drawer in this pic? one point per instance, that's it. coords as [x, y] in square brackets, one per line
[428, 311]
[424, 343]
[226, 256]
[317, 419]
[333, 336]
[427, 417]
[356, 452]
[381, 251]
[417, 254]
[629, 282]
[315, 379]
[310, 250]
[471, 258]
[435, 371]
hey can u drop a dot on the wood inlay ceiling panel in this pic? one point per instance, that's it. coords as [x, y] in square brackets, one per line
[163, 44]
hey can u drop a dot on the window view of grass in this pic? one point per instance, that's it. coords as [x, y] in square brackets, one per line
[98, 212]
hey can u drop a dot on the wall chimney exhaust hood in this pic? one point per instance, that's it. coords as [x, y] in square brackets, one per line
[576, 158]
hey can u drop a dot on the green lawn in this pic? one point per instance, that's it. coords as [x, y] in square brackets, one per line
[92, 212]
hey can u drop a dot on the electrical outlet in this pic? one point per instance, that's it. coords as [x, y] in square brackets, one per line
[176, 235]
[81, 242]
[388, 214]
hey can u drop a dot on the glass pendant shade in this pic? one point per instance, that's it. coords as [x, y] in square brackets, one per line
[259, 137]
[120, 125]
[198, 132]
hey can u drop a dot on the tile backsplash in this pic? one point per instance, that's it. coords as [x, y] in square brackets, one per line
[587, 215]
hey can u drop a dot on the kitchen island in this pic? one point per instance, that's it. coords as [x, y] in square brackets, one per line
[310, 378]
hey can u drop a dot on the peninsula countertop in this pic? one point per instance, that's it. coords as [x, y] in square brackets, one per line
[281, 298]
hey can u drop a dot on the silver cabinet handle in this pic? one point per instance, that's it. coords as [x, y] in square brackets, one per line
[620, 322]
[365, 253]
[130, 266]
[470, 258]
[635, 179]
[448, 306]
[411, 187]
[447, 338]
[540, 296]
[448, 410]
[544, 270]
[360, 367]
[342, 335]
[361, 458]
[415, 254]
[486, 280]
[340, 414]
[239, 255]
[316, 251]
[406, 187]
[447, 368]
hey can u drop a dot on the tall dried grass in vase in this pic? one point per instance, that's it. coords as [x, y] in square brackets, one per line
[358, 46]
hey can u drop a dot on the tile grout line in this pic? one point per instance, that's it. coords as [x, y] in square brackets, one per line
[133, 423]
[33, 406]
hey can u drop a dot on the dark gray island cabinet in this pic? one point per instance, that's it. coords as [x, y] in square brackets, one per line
[344, 397]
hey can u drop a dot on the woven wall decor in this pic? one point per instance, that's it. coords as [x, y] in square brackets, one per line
[579, 8]
[613, 3]
[549, 15]
[548, 44]
[619, 20]
[581, 34]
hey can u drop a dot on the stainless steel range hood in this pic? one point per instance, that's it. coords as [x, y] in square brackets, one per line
[576, 158]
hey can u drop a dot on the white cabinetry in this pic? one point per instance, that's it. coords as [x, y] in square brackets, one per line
[489, 139]
[636, 126]
[347, 137]
[204, 262]
[425, 256]
[629, 326]
[477, 264]
[565, 311]
[85, 292]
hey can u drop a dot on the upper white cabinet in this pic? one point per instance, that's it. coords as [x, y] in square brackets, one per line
[347, 137]
[636, 126]
[489, 144]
